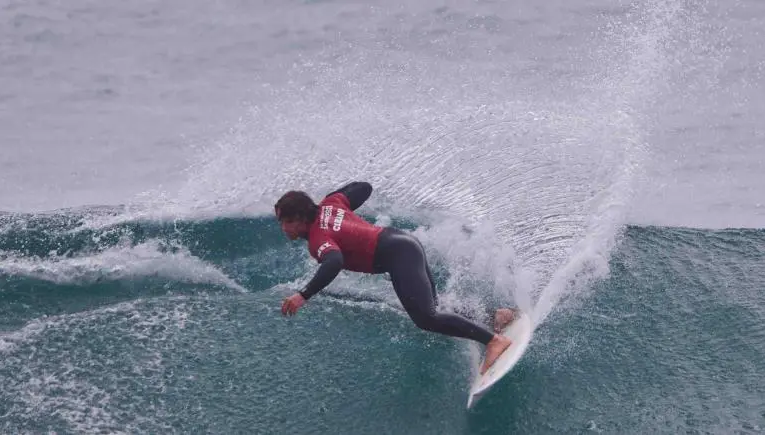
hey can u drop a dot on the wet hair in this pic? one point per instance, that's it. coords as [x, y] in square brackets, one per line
[296, 205]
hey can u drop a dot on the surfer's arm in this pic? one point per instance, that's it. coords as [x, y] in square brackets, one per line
[357, 193]
[331, 264]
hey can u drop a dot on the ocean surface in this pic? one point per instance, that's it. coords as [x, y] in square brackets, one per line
[598, 164]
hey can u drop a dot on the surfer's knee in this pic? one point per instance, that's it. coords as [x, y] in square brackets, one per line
[424, 319]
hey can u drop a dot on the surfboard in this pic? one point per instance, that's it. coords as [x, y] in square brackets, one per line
[520, 332]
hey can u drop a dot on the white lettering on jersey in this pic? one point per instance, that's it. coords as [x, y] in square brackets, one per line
[321, 249]
[326, 213]
[338, 219]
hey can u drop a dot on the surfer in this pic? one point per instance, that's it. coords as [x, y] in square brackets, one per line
[339, 239]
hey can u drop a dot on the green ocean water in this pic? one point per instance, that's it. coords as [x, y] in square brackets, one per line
[159, 326]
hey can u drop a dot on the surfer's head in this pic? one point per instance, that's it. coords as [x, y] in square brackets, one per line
[295, 211]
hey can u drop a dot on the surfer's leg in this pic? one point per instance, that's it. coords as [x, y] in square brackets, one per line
[412, 285]
[499, 315]
[427, 269]
[432, 282]
[415, 289]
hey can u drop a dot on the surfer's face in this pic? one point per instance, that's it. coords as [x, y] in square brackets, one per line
[294, 228]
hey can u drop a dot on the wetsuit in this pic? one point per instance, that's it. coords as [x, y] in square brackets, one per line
[339, 239]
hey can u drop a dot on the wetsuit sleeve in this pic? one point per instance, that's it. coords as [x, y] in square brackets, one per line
[331, 264]
[357, 193]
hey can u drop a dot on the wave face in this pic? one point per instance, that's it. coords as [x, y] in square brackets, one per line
[174, 326]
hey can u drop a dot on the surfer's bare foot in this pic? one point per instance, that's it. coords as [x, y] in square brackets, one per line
[494, 349]
[502, 318]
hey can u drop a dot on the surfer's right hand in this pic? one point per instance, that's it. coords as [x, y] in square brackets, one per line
[292, 304]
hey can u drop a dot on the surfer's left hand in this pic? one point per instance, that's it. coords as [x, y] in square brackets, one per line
[292, 304]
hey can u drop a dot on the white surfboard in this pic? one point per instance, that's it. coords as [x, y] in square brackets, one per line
[519, 332]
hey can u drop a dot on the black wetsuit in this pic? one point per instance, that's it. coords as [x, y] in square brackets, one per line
[402, 256]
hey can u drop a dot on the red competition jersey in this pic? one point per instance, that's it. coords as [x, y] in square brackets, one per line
[337, 228]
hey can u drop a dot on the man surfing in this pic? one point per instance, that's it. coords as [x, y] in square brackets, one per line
[339, 239]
